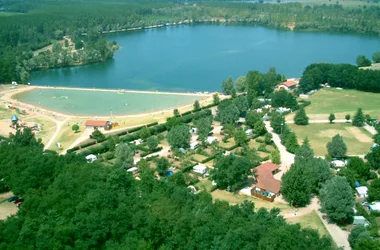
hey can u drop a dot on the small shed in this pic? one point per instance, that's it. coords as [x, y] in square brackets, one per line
[362, 192]
[360, 220]
[91, 158]
[200, 168]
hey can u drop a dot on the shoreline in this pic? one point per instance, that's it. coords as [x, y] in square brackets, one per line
[9, 97]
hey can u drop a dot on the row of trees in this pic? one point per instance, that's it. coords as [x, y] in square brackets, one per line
[72, 204]
[363, 61]
[339, 75]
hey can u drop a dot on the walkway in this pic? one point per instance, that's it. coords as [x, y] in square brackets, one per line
[339, 236]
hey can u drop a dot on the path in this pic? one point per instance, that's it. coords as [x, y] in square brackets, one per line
[339, 236]
[319, 121]
[370, 129]
[58, 128]
[84, 136]
[287, 159]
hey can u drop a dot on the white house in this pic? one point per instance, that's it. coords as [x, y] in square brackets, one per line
[338, 164]
[362, 192]
[211, 139]
[194, 145]
[289, 85]
[200, 168]
[91, 158]
[249, 132]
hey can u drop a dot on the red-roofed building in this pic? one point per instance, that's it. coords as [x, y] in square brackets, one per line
[267, 187]
[97, 124]
[289, 85]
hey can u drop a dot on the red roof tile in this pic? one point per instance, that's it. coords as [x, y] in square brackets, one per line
[94, 123]
[289, 83]
[265, 179]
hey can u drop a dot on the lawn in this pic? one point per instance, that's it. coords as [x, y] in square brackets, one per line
[311, 220]
[331, 100]
[47, 128]
[66, 136]
[358, 140]
[238, 198]
[228, 144]
[198, 157]
[204, 185]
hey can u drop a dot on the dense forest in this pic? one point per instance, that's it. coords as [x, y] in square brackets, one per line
[339, 75]
[71, 204]
[48, 22]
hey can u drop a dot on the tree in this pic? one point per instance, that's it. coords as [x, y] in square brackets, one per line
[295, 186]
[233, 93]
[268, 138]
[252, 118]
[176, 113]
[367, 243]
[376, 138]
[179, 137]
[228, 114]
[320, 172]
[301, 118]
[112, 141]
[124, 155]
[284, 98]
[152, 142]
[277, 122]
[348, 117]
[227, 86]
[358, 232]
[242, 104]
[331, 118]
[144, 133]
[216, 99]
[376, 57]
[203, 128]
[260, 128]
[98, 136]
[162, 165]
[358, 119]
[240, 137]
[75, 128]
[172, 122]
[337, 200]
[291, 143]
[360, 167]
[196, 106]
[275, 156]
[363, 61]
[24, 138]
[373, 158]
[337, 148]
[374, 190]
[231, 171]
[241, 84]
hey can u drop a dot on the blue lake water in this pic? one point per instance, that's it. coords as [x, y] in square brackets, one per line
[199, 57]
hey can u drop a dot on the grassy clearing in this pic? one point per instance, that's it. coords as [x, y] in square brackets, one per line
[205, 185]
[47, 128]
[358, 140]
[311, 220]
[66, 136]
[228, 144]
[198, 157]
[238, 198]
[330, 100]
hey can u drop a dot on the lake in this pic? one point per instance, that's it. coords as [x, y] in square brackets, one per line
[198, 57]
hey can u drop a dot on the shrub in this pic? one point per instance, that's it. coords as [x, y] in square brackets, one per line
[152, 124]
[131, 130]
[259, 140]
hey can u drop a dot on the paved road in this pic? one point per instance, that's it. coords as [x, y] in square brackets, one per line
[339, 236]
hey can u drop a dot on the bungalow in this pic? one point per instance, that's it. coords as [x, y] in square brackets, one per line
[200, 168]
[267, 187]
[97, 124]
[289, 85]
[362, 192]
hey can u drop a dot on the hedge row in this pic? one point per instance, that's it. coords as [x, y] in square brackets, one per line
[151, 152]
[208, 159]
[135, 129]
[232, 147]
[142, 148]
[88, 144]
[188, 168]
[152, 124]
[265, 158]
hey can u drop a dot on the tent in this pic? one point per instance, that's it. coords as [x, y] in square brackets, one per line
[14, 118]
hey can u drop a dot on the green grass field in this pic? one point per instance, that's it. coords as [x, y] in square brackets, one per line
[311, 220]
[358, 140]
[331, 100]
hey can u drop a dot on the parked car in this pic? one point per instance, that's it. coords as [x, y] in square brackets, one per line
[13, 198]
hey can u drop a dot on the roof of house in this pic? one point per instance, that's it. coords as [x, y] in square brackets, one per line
[265, 179]
[94, 123]
[289, 83]
[362, 190]
[375, 207]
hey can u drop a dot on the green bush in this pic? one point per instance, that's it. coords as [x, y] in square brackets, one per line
[187, 118]
[259, 140]
[122, 133]
[135, 129]
[208, 159]
[85, 145]
[159, 129]
[266, 158]
[152, 124]
[186, 113]
[109, 155]
[150, 152]
[129, 138]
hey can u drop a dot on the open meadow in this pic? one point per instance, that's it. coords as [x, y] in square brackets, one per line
[358, 140]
